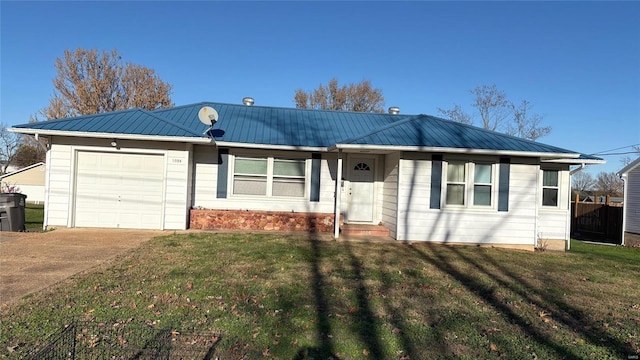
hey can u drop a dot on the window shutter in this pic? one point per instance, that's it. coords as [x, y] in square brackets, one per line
[436, 181]
[316, 160]
[503, 184]
[223, 173]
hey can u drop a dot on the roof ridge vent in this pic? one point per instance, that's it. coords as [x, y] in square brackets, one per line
[248, 101]
[394, 110]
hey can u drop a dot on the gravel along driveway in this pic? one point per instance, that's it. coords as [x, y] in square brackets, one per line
[30, 262]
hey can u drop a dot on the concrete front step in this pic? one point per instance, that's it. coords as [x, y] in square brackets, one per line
[363, 230]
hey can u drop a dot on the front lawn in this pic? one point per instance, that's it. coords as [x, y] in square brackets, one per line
[290, 297]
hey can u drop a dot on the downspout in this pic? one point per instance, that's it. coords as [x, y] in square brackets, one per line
[568, 231]
[47, 187]
[625, 179]
[338, 196]
[536, 234]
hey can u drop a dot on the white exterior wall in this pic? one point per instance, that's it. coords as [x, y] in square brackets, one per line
[417, 222]
[554, 223]
[205, 184]
[632, 204]
[390, 193]
[176, 208]
[60, 188]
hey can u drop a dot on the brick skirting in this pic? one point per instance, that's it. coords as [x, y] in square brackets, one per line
[260, 220]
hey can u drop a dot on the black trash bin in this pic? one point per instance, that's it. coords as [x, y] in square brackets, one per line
[12, 212]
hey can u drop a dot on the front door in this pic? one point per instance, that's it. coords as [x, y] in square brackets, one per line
[361, 190]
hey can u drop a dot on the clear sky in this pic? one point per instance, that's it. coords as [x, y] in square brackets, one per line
[578, 63]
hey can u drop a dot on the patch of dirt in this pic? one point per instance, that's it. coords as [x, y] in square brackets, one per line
[30, 262]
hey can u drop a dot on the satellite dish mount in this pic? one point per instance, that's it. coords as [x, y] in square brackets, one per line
[208, 116]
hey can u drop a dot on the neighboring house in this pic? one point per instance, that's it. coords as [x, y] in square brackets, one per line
[262, 168]
[630, 174]
[30, 181]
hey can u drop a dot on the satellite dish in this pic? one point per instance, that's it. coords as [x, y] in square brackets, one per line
[208, 115]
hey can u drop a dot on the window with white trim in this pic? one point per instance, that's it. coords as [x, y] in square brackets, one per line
[269, 176]
[469, 184]
[482, 185]
[550, 188]
[456, 183]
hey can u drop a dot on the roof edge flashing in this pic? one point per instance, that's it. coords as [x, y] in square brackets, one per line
[195, 140]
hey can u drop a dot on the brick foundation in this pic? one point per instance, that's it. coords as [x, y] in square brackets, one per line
[631, 239]
[260, 220]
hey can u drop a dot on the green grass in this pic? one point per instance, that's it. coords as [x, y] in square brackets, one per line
[293, 298]
[34, 217]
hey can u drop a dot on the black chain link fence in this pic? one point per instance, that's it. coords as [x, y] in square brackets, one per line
[125, 340]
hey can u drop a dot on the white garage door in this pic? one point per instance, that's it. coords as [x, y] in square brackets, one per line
[117, 190]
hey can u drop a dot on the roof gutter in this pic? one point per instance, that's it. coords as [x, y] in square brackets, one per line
[181, 139]
[550, 156]
[575, 161]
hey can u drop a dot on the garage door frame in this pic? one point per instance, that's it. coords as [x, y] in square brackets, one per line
[134, 151]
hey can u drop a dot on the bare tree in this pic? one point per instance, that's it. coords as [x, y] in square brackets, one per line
[525, 124]
[609, 183]
[90, 82]
[497, 113]
[9, 144]
[582, 181]
[456, 114]
[361, 97]
[492, 105]
[627, 159]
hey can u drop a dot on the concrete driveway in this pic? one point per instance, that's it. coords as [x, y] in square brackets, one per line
[30, 262]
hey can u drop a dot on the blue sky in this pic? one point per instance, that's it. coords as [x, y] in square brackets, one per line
[578, 63]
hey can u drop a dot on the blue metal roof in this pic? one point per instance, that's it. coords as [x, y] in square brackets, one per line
[297, 127]
[280, 126]
[132, 121]
[429, 131]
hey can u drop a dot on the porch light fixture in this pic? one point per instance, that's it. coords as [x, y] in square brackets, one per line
[114, 143]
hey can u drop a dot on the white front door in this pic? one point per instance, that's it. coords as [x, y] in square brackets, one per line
[119, 190]
[361, 190]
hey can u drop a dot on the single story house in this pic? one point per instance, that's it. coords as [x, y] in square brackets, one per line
[29, 181]
[630, 174]
[420, 177]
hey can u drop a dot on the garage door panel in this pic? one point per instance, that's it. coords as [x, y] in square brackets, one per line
[119, 190]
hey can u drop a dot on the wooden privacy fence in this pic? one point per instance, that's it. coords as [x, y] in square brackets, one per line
[596, 222]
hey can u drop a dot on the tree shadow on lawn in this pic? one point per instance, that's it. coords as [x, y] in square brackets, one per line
[561, 311]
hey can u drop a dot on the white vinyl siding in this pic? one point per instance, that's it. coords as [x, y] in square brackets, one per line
[176, 207]
[476, 224]
[390, 193]
[60, 187]
[632, 205]
[553, 221]
[57, 191]
[205, 176]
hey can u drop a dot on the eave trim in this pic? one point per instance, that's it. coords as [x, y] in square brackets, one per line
[101, 135]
